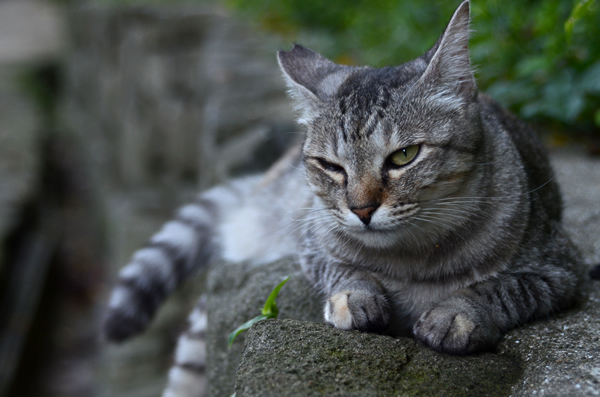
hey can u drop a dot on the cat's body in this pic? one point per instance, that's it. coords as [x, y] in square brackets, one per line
[415, 205]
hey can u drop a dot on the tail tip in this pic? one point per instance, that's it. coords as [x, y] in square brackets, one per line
[118, 326]
[595, 272]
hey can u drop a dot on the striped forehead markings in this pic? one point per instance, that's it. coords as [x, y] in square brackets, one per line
[350, 119]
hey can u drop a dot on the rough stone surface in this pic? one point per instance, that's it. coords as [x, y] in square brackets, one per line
[550, 357]
[558, 356]
[293, 358]
[237, 293]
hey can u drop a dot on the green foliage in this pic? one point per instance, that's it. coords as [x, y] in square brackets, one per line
[541, 58]
[269, 310]
[143, 3]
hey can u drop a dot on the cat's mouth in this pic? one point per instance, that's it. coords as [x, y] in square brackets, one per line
[386, 226]
[372, 229]
[376, 229]
[374, 237]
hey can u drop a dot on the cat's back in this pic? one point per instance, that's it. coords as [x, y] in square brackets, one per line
[533, 154]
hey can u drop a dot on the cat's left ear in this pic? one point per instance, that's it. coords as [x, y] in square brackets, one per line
[449, 73]
[312, 79]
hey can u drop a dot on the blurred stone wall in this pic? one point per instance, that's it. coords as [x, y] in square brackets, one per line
[165, 102]
[30, 39]
[168, 97]
[19, 177]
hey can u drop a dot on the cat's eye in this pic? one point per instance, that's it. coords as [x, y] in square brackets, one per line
[403, 156]
[330, 166]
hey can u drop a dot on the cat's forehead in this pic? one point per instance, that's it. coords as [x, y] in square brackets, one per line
[369, 82]
[367, 104]
[369, 90]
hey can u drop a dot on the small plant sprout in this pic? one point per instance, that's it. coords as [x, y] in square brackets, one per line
[269, 310]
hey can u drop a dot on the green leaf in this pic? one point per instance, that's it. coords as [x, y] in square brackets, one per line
[578, 12]
[270, 310]
[270, 307]
[244, 327]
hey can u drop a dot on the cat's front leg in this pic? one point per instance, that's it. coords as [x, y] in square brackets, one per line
[458, 325]
[355, 309]
[473, 319]
[357, 301]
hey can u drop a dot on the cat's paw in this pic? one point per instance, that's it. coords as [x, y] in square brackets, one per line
[357, 310]
[456, 327]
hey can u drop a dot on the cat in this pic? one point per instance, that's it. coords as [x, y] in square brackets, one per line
[422, 208]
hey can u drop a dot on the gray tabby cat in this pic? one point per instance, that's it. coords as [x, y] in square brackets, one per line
[422, 209]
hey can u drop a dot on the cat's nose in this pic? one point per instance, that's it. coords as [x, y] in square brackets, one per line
[364, 214]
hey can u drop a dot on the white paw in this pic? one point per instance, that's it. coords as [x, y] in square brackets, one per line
[357, 310]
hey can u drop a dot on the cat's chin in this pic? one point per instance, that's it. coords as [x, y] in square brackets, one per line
[377, 238]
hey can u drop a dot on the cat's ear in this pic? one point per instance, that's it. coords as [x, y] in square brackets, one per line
[312, 79]
[449, 72]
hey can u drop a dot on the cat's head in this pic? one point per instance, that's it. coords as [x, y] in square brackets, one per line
[383, 144]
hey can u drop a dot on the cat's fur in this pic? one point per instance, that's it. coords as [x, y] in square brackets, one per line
[457, 246]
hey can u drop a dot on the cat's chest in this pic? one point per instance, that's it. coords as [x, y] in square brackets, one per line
[412, 285]
[417, 295]
[409, 300]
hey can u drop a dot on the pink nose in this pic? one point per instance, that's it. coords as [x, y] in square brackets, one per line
[364, 214]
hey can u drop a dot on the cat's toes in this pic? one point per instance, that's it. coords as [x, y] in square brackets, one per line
[357, 310]
[454, 329]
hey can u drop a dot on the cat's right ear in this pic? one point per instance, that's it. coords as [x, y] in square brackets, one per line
[312, 79]
[449, 73]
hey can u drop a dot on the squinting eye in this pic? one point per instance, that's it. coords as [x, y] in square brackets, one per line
[404, 155]
[330, 166]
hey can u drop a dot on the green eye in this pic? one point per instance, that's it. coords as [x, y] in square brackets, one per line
[404, 155]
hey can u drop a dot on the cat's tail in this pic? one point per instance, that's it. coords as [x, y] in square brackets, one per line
[187, 376]
[170, 257]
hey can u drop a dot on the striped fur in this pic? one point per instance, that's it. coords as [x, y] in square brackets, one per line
[169, 258]
[222, 224]
[187, 377]
[455, 245]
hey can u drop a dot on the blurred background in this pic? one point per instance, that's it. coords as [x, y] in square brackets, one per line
[115, 112]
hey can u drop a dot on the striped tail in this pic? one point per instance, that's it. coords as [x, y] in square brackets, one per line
[187, 377]
[172, 255]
